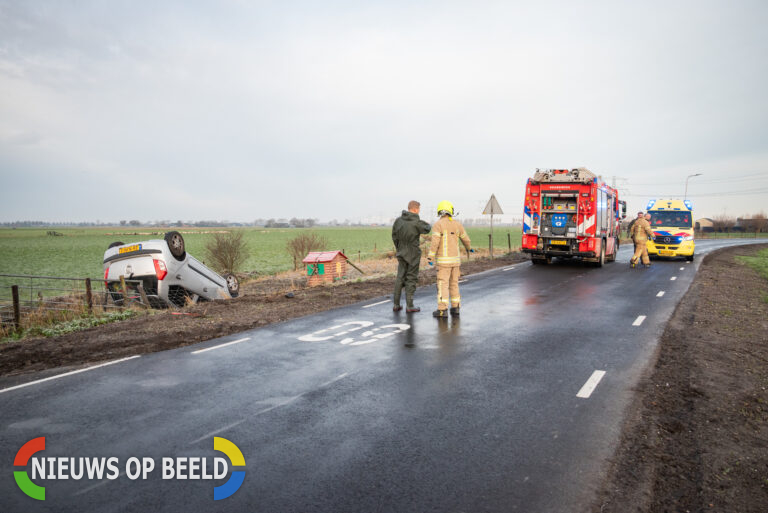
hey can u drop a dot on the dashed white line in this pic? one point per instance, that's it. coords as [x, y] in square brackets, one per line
[221, 345]
[463, 281]
[591, 384]
[216, 432]
[639, 320]
[682, 268]
[379, 303]
[507, 268]
[68, 374]
[673, 278]
[661, 293]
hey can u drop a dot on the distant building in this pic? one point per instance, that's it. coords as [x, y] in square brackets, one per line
[704, 224]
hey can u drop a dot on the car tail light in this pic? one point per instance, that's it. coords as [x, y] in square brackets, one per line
[160, 269]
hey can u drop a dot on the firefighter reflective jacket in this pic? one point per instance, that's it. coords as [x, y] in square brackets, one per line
[446, 234]
[641, 230]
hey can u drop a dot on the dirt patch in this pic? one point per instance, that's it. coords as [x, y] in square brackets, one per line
[261, 302]
[698, 440]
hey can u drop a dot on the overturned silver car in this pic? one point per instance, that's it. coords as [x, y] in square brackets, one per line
[168, 275]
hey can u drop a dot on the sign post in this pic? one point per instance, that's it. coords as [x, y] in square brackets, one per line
[491, 208]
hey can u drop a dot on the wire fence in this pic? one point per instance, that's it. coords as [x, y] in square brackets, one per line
[34, 300]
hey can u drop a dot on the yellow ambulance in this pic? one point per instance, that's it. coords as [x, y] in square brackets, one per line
[672, 225]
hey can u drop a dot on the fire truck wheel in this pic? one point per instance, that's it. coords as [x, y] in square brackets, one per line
[601, 260]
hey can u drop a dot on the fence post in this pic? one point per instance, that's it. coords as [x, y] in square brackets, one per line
[143, 294]
[509, 241]
[124, 289]
[16, 309]
[490, 245]
[89, 295]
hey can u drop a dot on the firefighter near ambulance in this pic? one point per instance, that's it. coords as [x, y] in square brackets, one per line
[444, 247]
[640, 232]
[571, 213]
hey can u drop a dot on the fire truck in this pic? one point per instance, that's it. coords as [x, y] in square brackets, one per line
[571, 213]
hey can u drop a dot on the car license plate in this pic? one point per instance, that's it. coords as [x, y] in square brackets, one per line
[666, 252]
[559, 242]
[129, 249]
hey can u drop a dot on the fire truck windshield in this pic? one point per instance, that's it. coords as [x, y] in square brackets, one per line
[676, 219]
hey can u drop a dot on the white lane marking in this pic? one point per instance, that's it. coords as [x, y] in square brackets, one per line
[682, 268]
[661, 293]
[591, 384]
[100, 483]
[216, 432]
[507, 268]
[68, 374]
[673, 278]
[334, 380]
[463, 281]
[639, 320]
[221, 345]
[379, 303]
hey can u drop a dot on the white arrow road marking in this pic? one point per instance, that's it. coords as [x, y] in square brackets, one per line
[639, 320]
[221, 345]
[591, 384]
[68, 374]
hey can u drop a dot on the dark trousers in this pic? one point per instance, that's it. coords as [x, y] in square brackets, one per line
[408, 278]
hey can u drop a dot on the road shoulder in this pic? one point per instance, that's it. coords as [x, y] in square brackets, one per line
[695, 437]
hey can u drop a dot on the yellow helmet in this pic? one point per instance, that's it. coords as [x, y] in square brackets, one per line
[445, 207]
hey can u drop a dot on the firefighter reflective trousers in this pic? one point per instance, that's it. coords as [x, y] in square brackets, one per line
[448, 286]
[641, 250]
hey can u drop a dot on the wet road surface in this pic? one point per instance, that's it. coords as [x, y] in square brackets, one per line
[514, 406]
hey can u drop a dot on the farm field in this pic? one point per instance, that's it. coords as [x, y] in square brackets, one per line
[79, 251]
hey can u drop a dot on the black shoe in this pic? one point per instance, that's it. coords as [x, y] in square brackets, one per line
[455, 311]
[440, 314]
[413, 309]
[397, 308]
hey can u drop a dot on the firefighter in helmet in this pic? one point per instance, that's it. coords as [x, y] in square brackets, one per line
[641, 231]
[446, 234]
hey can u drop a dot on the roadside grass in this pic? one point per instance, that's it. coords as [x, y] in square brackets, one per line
[64, 327]
[759, 263]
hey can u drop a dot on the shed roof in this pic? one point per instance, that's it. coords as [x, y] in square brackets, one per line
[315, 257]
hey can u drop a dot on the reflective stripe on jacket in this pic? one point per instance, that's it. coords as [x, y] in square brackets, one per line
[446, 234]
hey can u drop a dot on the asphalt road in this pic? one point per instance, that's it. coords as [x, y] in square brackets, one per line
[360, 409]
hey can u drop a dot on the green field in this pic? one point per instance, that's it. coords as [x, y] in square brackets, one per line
[79, 252]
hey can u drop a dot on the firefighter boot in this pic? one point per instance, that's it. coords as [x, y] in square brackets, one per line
[455, 311]
[440, 314]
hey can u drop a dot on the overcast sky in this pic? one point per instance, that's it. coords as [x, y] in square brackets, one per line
[240, 110]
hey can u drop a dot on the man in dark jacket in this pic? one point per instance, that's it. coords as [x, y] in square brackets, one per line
[406, 233]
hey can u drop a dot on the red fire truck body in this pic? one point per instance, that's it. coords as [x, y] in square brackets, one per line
[571, 213]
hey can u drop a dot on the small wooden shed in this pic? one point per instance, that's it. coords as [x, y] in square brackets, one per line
[325, 267]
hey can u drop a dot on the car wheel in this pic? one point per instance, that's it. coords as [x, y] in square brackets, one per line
[176, 245]
[233, 285]
[115, 244]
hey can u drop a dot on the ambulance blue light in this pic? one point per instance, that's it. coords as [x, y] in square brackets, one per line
[688, 204]
[650, 204]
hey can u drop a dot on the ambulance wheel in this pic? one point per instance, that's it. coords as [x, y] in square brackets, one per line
[176, 245]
